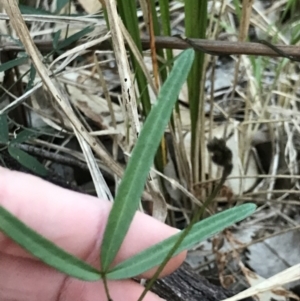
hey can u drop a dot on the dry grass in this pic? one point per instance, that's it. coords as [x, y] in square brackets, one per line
[252, 101]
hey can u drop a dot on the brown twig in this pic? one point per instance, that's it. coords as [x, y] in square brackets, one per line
[58, 158]
[216, 47]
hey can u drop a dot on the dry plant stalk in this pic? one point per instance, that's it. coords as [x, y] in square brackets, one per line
[289, 275]
[212, 47]
[243, 34]
[123, 66]
[52, 84]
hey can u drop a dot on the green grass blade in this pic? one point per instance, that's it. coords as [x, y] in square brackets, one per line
[13, 63]
[74, 38]
[55, 40]
[60, 4]
[29, 10]
[204, 229]
[128, 13]
[157, 32]
[32, 75]
[290, 7]
[166, 23]
[44, 249]
[25, 135]
[295, 34]
[4, 138]
[132, 184]
[238, 9]
[195, 27]
[28, 161]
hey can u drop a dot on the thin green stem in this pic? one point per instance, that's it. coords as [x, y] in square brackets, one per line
[106, 287]
[185, 232]
[195, 27]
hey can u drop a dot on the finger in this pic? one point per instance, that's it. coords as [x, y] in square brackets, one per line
[30, 280]
[74, 221]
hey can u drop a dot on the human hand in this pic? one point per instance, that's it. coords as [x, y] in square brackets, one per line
[76, 223]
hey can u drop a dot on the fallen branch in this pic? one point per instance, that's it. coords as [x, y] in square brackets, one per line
[187, 285]
[216, 47]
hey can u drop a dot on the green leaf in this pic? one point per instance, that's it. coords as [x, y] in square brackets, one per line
[3, 129]
[32, 75]
[27, 160]
[29, 10]
[237, 7]
[204, 229]
[75, 37]
[132, 184]
[44, 249]
[295, 34]
[25, 135]
[56, 39]
[2, 161]
[60, 4]
[13, 63]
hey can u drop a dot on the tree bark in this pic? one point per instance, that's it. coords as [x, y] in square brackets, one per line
[187, 285]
